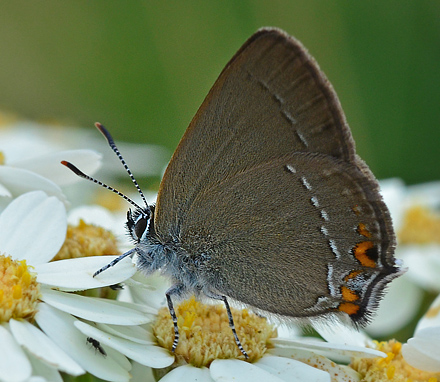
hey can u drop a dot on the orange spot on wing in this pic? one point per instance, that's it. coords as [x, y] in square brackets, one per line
[362, 230]
[361, 253]
[348, 294]
[348, 308]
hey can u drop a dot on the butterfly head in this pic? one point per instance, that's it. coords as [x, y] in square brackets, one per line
[138, 222]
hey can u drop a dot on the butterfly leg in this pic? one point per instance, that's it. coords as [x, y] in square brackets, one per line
[115, 261]
[175, 290]
[231, 321]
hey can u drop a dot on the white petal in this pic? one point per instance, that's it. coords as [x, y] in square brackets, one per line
[109, 351]
[422, 350]
[49, 166]
[431, 317]
[188, 373]
[423, 262]
[337, 372]
[77, 274]
[98, 335]
[59, 326]
[419, 360]
[42, 347]
[23, 139]
[141, 373]
[393, 191]
[235, 370]
[115, 355]
[14, 365]
[19, 181]
[143, 284]
[42, 370]
[33, 227]
[329, 348]
[428, 340]
[96, 309]
[291, 370]
[4, 191]
[132, 333]
[338, 331]
[424, 194]
[153, 356]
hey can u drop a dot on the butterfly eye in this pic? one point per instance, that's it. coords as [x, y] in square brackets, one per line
[137, 223]
[140, 226]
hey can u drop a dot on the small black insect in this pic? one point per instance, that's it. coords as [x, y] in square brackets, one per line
[97, 345]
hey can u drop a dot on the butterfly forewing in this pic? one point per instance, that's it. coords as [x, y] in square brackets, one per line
[270, 100]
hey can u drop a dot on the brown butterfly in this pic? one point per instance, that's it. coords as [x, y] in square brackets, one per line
[265, 200]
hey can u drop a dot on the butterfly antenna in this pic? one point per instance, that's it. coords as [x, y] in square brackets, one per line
[78, 172]
[112, 144]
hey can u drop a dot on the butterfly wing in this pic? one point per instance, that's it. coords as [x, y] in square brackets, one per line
[266, 184]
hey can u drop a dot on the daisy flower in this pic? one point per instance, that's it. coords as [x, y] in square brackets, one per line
[32, 291]
[418, 360]
[207, 350]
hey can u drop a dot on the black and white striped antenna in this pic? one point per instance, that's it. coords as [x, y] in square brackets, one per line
[113, 146]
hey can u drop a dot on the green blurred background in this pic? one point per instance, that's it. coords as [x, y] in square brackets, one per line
[143, 67]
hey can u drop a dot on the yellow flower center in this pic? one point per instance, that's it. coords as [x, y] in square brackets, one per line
[2, 158]
[420, 226]
[393, 368]
[87, 240]
[19, 290]
[205, 334]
